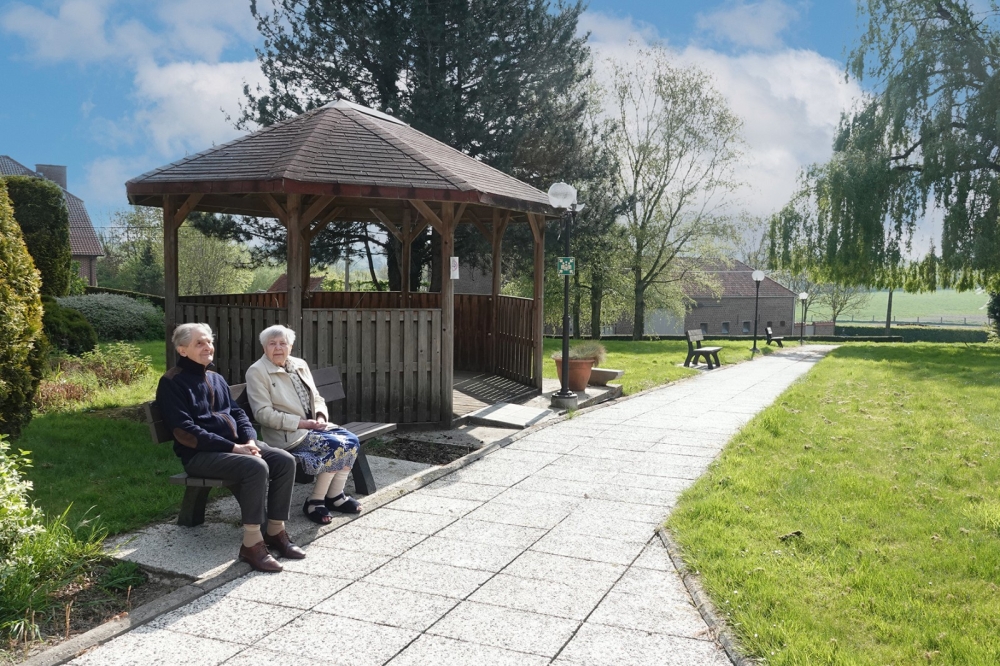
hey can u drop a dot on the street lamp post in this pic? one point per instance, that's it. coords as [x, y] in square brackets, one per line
[758, 277]
[803, 297]
[563, 196]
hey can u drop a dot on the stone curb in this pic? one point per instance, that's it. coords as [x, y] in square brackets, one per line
[718, 627]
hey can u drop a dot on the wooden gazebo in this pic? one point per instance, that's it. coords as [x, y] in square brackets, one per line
[397, 351]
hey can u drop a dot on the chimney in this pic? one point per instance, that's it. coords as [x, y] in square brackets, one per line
[54, 172]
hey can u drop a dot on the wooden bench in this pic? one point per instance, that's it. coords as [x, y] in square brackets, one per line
[771, 337]
[695, 350]
[330, 387]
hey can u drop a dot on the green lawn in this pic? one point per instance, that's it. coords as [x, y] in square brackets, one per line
[885, 458]
[649, 363]
[946, 303]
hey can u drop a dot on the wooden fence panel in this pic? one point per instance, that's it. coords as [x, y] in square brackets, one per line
[473, 332]
[514, 339]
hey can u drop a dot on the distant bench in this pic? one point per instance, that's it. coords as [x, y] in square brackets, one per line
[330, 387]
[695, 350]
[771, 337]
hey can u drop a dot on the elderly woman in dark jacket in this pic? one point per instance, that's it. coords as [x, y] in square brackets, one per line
[214, 439]
[293, 416]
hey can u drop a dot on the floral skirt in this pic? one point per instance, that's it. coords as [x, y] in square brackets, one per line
[327, 451]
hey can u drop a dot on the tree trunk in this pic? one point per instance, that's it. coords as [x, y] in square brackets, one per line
[393, 259]
[576, 306]
[371, 267]
[596, 298]
[888, 314]
[639, 327]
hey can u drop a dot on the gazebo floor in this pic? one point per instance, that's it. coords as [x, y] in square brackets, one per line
[475, 390]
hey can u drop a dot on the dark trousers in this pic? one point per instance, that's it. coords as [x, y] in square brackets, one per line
[252, 479]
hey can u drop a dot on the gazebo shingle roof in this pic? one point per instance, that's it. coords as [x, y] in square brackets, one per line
[341, 149]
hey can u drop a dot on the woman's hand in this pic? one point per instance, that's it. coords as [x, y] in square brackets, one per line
[248, 449]
[312, 424]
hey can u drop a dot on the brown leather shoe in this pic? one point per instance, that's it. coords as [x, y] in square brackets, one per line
[281, 543]
[259, 558]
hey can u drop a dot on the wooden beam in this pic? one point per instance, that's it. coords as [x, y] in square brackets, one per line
[482, 227]
[447, 230]
[538, 231]
[404, 268]
[389, 225]
[315, 208]
[170, 274]
[276, 208]
[186, 209]
[460, 212]
[294, 271]
[430, 215]
[321, 225]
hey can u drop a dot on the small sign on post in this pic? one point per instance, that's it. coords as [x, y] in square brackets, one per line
[566, 265]
[454, 268]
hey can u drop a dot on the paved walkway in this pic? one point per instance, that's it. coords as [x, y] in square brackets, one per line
[541, 553]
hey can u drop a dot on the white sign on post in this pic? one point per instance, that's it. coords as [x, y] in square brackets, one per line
[454, 268]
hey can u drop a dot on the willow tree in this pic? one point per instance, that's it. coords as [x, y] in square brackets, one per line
[677, 145]
[925, 141]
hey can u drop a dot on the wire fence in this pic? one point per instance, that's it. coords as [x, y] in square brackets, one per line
[933, 320]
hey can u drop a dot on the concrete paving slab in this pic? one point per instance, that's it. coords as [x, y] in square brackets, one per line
[470, 437]
[608, 527]
[654, 557]
[370, 540]
[388, 518]
[188, 551]
[441, 651]
[429, 578]
[541, 516]
[227, 618]
[255, 657]
[639, 513]
[506, 628]
[387, 605]
[589, 548]
[497, 534]
[420, 502]
[356, 643]
[333, 562]
[638, 611]
[158, 647]
[290, 589]
[567, 570]
[539, 596]
[449, 486]
[504, 475]
[599, 645]
[528, 499]
[535, 443]
[466, 554]
[507, 415]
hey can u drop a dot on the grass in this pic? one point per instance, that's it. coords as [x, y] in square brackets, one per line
[943, 303]
[97, 461]
[885, 460]
[650, 363]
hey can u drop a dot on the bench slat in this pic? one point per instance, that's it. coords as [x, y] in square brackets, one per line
[183, 479]
[366, 431]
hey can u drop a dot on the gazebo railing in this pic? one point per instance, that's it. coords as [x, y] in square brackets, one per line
[237, 329]
[514, 344]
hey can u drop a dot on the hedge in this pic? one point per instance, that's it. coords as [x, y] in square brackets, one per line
[23, 349]
[40, 210]
[917, 333]
[116, 317]
[158, 301]
[67, 328]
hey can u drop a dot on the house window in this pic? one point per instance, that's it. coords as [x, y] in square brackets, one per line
[725, 328]
[704, 328]
[771, 324]
[746, 327]
[782, 324]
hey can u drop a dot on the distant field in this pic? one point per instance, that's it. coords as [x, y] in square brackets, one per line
[947, 303]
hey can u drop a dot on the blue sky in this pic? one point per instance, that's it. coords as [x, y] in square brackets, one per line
[112, 88]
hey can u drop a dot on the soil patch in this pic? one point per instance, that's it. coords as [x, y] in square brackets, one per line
[429, 453]
[89, 603]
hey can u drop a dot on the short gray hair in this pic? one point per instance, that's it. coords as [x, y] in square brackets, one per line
[277, 331]
[183, 333]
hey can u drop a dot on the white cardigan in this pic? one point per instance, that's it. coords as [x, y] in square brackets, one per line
[276, 405]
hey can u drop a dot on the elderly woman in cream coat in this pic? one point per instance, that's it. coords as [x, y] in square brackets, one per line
[293, 416]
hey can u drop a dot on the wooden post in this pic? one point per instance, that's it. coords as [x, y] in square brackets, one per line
[404, 268]
[294, 270]
[496, 240]
[447, 312]
[170, 274]
[538, 231]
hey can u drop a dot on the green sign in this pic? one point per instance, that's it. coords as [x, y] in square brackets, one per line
[566, 265]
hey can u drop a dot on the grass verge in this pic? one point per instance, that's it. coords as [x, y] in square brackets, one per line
[856, 521]
[650, 363]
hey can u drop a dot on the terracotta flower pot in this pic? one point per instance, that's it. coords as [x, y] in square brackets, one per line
[579, 372]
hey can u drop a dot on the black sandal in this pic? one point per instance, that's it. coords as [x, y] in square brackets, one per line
[350, 505]
[319, 515]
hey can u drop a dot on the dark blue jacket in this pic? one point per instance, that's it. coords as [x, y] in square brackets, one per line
[198, 409]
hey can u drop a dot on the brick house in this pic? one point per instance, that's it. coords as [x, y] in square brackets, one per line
[732, 313]
[83, 241]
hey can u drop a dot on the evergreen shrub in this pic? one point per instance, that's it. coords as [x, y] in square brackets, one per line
[67, 329]
[40, 210]
[23, 348]
[918, 333]
[116, 317]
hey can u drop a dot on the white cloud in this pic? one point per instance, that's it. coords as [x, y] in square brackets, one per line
[790, 102]
[754, 25]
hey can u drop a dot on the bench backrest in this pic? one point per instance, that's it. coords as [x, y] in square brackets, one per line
[769, 331]
[328, 383]
[694, 337]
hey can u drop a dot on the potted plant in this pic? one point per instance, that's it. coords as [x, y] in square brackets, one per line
[582, 358]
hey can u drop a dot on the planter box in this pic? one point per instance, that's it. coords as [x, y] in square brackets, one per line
[601, 376]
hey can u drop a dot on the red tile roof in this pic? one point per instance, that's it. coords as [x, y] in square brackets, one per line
[349, 149]
[281, 284]
[82, 238]
[736, 282]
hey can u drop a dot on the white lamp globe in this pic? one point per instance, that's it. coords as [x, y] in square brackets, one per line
[758, 276]
[803, 296]
[562, 195]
